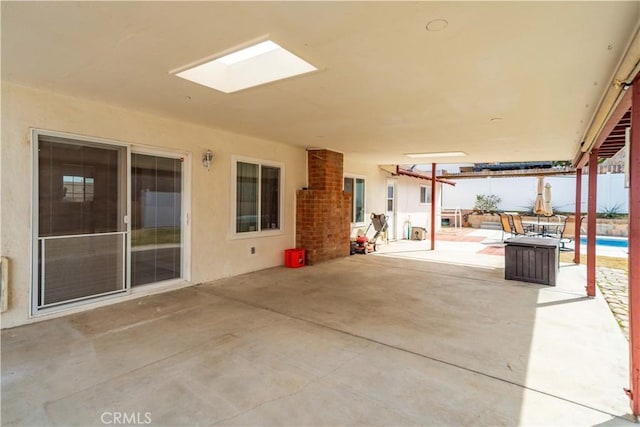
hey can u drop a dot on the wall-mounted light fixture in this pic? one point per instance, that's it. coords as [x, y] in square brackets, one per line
[207, 159]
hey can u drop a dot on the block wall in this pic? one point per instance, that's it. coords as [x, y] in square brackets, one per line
[323, 217]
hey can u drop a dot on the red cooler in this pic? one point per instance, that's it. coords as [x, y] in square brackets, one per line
[294, 258]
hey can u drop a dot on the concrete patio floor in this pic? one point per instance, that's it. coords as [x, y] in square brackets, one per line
[365, 340]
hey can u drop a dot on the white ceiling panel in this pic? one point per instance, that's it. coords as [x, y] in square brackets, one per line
[504, 81]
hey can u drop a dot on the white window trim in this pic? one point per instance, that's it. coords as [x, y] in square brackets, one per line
[234, 192]
[427, 194]
[364, 202]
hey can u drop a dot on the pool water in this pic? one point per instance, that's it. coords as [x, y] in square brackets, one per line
[615, 242]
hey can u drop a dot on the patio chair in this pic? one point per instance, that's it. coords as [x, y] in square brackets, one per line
[568, 233]
[519, 229]
[561, 219]
[505, 222]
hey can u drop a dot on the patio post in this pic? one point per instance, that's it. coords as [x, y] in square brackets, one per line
[634, 250]
[591, 223]
[576, 237]
[433, 206]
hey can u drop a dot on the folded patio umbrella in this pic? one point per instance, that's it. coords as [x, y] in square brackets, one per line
[548, 210]
[538, 207]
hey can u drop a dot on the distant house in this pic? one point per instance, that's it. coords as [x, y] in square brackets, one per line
[403, 195]
[414, 202]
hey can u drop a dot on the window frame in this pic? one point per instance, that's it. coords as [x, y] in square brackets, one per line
[234, 234]
[364, 201]
[78, 181]
[427, 192]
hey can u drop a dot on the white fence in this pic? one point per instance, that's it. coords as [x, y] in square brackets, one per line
[519, 193]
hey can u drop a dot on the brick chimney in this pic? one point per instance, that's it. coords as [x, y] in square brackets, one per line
[323, 220]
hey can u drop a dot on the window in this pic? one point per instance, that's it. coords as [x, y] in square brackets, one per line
[258, 197]
[77, 188]
[425, 195]
[355, 186]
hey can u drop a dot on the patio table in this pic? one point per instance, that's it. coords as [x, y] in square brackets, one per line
[543, 227]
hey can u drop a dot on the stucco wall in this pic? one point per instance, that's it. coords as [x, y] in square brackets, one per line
[407, 197]
[411, 211]
[214, 254]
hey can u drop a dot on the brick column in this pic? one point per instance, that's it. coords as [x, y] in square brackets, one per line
[323, 218]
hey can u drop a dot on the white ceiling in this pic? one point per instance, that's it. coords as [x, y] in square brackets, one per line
[386, 85]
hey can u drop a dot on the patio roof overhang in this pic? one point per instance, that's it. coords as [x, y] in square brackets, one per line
[412, 174]
[616, 139]
[509, 173]
[612, 137]
[605, 133]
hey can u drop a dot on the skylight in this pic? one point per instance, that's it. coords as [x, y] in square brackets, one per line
[248, 53]
[441, 154]
[255, 65]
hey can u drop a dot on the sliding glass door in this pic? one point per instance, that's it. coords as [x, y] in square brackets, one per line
[80, 247]
[104, 219]
[156, 213]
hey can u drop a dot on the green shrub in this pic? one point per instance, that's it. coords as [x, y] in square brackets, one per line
[487, 203]
[528, 209]
[614, 211]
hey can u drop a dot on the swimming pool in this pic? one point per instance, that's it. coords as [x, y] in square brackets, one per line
[615, 242]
